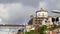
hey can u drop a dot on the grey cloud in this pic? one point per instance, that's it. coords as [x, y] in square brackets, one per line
[33, 3]
[9, 1]
[19, 11]
[52, 5]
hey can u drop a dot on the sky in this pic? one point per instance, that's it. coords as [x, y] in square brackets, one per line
[19, 11]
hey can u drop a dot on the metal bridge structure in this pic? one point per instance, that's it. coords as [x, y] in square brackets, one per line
[10, 28]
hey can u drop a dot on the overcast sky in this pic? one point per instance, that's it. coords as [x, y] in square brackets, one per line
[19, 11]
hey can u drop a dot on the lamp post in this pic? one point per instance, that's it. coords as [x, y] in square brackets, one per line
[55, 11]
[24, 28]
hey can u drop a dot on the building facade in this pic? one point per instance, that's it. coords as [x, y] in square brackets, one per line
[42, 18]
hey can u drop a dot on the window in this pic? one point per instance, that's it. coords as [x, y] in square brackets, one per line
[42, 14]
[39, 14]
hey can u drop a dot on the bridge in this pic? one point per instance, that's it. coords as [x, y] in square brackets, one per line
[10, 28]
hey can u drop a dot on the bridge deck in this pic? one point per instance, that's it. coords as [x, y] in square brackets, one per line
[11, 25]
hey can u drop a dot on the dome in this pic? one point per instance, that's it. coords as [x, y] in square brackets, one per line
[42, 10]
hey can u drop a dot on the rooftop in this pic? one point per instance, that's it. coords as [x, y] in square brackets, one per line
[42, 10]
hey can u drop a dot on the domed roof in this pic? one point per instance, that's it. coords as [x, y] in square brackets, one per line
[41, 10]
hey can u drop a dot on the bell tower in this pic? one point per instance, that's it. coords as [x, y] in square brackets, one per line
[41, 13]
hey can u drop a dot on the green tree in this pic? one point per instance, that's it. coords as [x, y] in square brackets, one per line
[52, 27]
[42, 29]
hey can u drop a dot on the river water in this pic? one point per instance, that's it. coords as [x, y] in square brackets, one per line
[9, 29]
